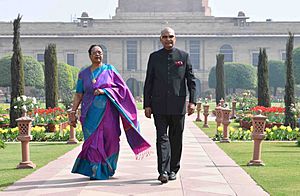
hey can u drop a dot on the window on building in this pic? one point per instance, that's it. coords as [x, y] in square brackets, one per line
[228, 53]
[195, 53]
[71, 59]
[40, 57]
[255, 56]
[283, 55]
[131, 55]
[104, 49]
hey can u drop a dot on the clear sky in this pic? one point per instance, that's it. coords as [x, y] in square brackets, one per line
[64, 10]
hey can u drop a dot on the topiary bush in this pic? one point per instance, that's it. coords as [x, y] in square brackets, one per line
[33, 72]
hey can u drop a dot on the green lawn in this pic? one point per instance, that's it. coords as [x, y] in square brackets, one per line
[281, 173]
[40, 154]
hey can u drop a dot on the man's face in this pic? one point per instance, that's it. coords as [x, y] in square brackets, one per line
[168, 39]
[96, 55]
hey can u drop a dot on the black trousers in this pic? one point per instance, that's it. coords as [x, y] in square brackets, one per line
[169, 130]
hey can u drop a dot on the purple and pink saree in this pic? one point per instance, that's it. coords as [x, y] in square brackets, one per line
[100, 117]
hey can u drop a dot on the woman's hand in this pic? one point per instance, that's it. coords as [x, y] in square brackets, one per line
[98, 91]
[72, 118]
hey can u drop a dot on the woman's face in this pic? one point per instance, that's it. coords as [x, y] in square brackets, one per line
[96, 55]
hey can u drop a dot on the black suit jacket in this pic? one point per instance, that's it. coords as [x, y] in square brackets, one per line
[168, 75]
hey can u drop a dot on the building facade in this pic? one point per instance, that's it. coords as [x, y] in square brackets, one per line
[133, 33]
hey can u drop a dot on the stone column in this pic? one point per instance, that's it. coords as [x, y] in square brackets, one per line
[258, 123]
[205, 113]
[225, 122]
[24, 125]
[218, 116]
[233, 108]
[198, 111]
[72, 139]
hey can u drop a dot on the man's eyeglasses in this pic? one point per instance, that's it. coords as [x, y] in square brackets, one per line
[165, 36]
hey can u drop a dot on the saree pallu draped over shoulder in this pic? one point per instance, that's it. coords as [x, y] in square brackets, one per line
[100, 123]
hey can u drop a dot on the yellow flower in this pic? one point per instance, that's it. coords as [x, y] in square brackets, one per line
[38, 129]
[3, 130]
[220, 129]
[65, 130]
[251, 128]
[248, 131]
[231, 129]
[289, 129]
[240, 129]
[297, 129]
[13, 130]
[78, 129]
[282, 127]
[268, 130]
[275, 128]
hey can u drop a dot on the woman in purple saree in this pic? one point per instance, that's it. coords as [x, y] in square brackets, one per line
[104, 98]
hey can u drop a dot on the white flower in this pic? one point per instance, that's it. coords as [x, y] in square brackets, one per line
[15, 107]
[24, 108]
[18, 98]
[34, 100]
[24, 97]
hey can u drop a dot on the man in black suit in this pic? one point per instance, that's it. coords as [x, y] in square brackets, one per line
[169, 71]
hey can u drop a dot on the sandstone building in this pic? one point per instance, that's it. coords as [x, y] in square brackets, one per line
[133, 33]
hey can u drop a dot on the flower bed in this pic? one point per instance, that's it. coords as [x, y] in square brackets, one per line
[39, 133]
[273, 133]
[49, 116]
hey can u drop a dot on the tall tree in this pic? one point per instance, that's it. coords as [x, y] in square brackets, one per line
[17, 72]
[263, 92]
[289, 97]
[51, 76]
[220, 82]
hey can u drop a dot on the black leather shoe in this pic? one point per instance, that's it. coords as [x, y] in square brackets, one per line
[172, 176]
[163, 177]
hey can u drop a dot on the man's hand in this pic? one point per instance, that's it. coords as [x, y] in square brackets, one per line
[191, 108]
[148, 112]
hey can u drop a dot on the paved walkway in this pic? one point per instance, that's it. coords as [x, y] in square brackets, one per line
[206, 170]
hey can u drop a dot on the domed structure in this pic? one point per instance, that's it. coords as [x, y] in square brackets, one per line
[84, 15]
[241, 14]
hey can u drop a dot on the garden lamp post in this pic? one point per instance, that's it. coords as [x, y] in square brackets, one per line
[198, 111]
[225, 122]
[205, 113]
[233, 108]
[218, 119]
[258, 123]
[24, 125]
[72, 139]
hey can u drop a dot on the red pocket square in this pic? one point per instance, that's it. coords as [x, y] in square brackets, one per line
[178, 63]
